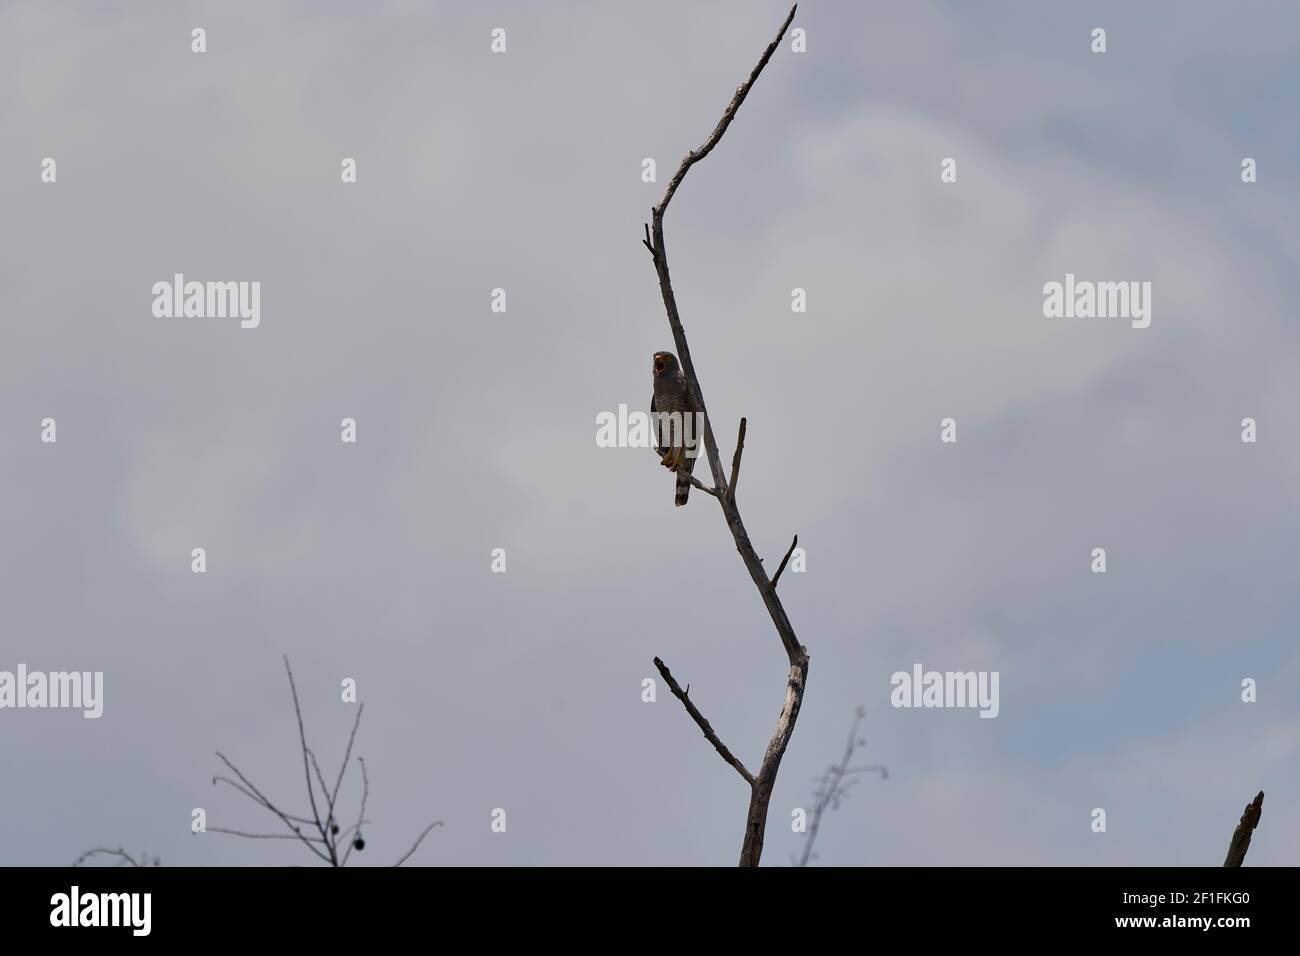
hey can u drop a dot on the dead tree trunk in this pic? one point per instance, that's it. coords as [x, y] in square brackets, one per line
[761, 784]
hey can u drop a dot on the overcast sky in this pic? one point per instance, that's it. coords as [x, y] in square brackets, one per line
[476, 430]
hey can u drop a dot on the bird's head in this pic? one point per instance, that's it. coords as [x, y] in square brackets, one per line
[665, 363]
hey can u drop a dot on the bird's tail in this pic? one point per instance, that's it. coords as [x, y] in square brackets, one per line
[683, 485]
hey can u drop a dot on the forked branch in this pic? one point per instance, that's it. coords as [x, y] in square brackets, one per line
[834, 784]
[320, 831]
[784, 561]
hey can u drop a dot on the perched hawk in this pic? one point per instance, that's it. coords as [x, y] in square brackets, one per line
[677, 440]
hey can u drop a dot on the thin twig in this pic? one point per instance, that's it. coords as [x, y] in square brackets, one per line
[260, 797]
[418, 840]
[248, 793]
[347, 757]
[735, 462]
[302, 737]
[1245, 829]
[365, 795]
[696, 483]
[777, 577]
[263, 836]
[356, 826]
[327, 828]
[124, 858]
[691, 479]
[742, 91]
[257, 799]
[265, 802]
[709, 733]
[320, 778]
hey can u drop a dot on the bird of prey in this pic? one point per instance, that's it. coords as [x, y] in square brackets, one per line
[676, 436]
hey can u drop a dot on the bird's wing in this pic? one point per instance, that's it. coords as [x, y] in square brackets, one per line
[658, 433]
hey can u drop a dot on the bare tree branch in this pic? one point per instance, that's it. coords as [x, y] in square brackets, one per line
[777, 577]
[361, 816]
[1241, 836]
[347, 756]
[735, 462]
[709, 733]
[691, 479]
[329, 836]
[246, 792]
[264, 836]
[833, 785]
[123, 858]
[306, 753]
[260, 801]
[761, 788]
[258, 797]
[742, 91]
[320, 778]
[696, 483]
[418, 840]
[356, 826]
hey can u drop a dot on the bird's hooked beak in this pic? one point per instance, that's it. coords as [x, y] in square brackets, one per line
[659, 364]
